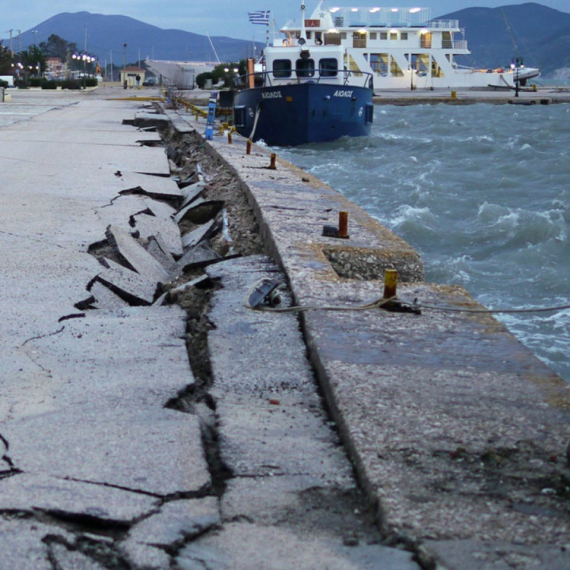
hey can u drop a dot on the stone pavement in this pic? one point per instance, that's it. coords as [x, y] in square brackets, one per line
[103, 465]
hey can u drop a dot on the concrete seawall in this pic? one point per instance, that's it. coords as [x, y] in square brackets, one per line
[457, 432]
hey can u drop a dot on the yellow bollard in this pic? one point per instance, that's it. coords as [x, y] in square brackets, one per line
[390, 283]
[454, 94]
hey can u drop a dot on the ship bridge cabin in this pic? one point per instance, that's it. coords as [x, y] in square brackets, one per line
[297, 62]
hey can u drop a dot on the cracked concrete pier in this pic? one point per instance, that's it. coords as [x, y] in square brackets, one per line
[141, 434]
[126, 443]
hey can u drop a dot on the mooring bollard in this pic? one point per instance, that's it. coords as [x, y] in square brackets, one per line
[272, 166]
[390, 283]
[230, 137]
[248, 147]
[343, 225]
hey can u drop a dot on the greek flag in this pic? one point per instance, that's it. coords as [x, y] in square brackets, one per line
[260, 17]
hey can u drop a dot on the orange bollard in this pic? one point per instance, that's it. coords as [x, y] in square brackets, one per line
[272, 166]
[343, 225]
[230, 137]
[248, 147]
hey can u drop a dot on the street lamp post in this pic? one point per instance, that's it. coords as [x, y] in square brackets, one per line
[86, 58]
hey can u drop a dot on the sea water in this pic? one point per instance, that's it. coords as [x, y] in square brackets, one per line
[482, 192]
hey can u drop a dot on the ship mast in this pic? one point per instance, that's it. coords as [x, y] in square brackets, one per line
[303, 31]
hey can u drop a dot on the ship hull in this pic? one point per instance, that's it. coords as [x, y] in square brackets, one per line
[301, 113]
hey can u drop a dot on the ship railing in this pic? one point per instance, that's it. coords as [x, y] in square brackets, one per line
[443, 24]
[268, 79]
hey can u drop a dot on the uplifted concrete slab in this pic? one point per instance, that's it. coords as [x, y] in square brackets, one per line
[134, 288]
[205, 231]
[199, 211]
[160, 250]
[157, 187]
[154, 451]
[151, 226]
[200, 255]
[105, 299]
[146, 119]
[136, 256]
[191, 192]
[30, 493]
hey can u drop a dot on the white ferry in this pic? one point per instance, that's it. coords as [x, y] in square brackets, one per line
[403, 48]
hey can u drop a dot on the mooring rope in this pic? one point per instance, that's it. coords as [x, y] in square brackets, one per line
[381, 301]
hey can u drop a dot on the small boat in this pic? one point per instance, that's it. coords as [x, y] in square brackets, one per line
[304, 92]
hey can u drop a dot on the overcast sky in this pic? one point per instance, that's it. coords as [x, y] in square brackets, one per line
[216, 17]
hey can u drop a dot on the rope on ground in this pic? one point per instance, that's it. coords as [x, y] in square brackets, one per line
[380, 302]
[420, 305]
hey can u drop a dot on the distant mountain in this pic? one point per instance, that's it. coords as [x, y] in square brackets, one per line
[541, 35]
[107, 36]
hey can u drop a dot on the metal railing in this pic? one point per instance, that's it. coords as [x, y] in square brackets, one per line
[268, 79]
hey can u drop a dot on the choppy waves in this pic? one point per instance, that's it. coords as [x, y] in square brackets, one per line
[497, 178]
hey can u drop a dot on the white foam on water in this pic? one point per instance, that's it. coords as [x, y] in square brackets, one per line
[482, 192]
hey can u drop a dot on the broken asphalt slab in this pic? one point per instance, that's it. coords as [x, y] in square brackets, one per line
[28, 493]
[141, 349]
[83, 392]
[154, 451]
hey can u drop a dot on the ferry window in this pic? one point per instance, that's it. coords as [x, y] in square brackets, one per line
[343, 35]
[404, 36]
[373, 35]
[282, 68]
[305, 68]
[308, 35]
[328, 67]
[393, 36]
[383, 35]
